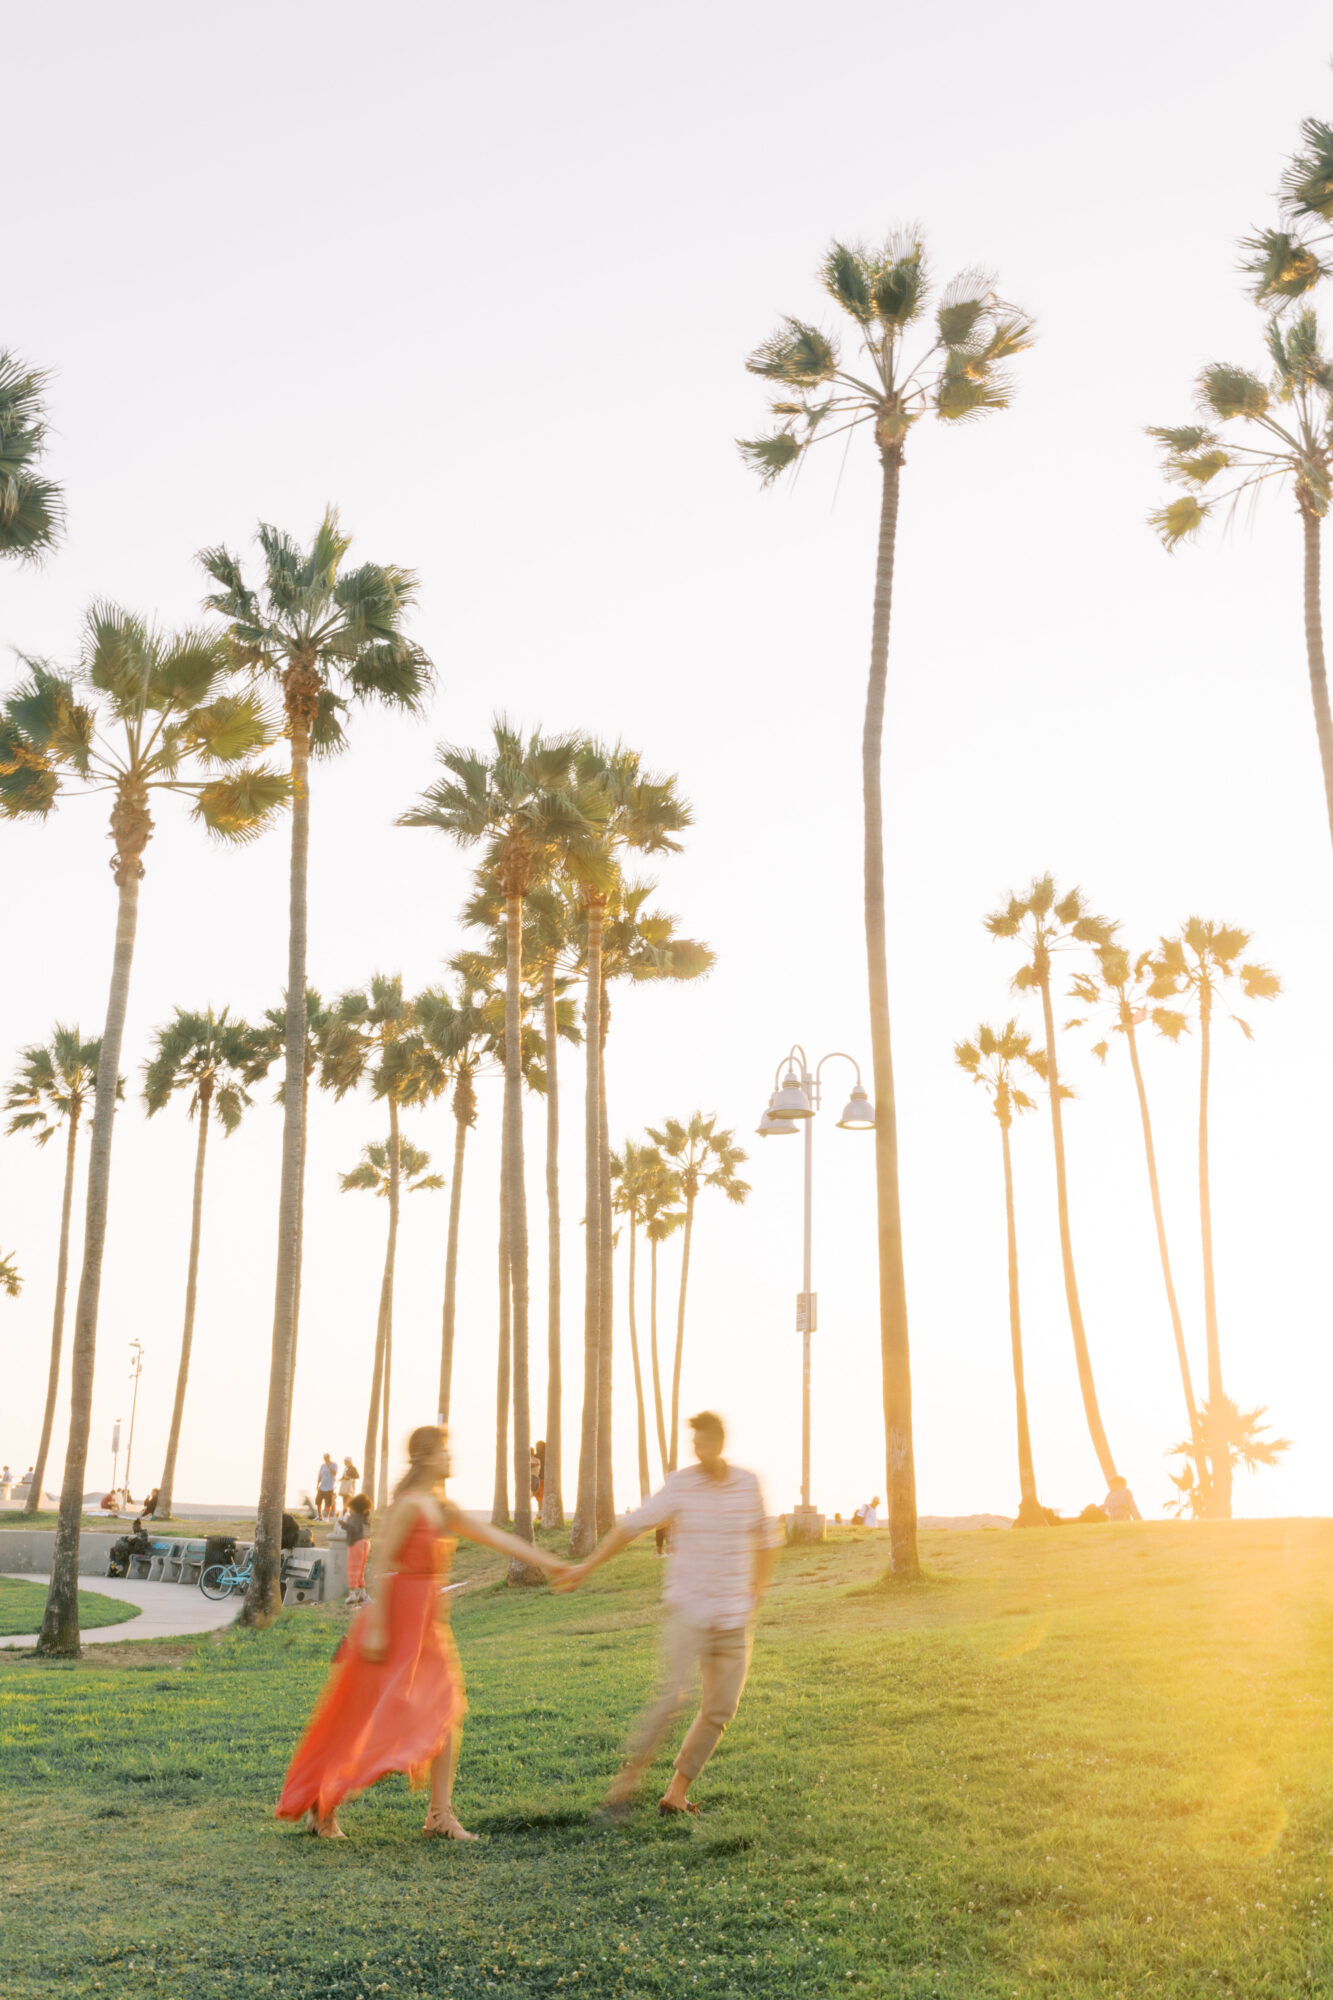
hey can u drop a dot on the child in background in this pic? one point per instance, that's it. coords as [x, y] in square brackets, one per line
[356, 1527]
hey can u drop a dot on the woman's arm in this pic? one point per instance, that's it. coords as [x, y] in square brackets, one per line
[505, 1545]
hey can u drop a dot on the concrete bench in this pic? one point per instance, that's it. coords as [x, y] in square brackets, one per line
[303, 1579]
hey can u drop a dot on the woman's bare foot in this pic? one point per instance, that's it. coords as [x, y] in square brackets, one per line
[442, 1823]
[329, 1829]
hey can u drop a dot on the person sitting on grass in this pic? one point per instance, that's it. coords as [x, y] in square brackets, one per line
[721, 1558]
[1120, 1504]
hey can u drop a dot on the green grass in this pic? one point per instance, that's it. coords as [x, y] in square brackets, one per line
[22, 1605]
[1092, 1761]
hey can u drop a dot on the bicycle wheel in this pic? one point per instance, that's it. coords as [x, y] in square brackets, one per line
[216, 1582]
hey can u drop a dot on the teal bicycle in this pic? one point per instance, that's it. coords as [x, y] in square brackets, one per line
[221, 1579]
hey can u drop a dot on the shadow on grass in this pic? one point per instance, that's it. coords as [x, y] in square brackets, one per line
[891, 1586]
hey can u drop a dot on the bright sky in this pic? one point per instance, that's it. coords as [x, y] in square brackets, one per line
[486, 280]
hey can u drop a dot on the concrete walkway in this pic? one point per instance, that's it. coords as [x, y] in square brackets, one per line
[166, 1610]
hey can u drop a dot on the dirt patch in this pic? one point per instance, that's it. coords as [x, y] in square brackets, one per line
[99, 1658]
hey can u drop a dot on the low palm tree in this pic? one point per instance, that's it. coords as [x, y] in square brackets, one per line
[323, 636]
[210, 1056]
[701, 1156]
[148, 713]
[662, 1217]
[1254, 433]
[1240, 1435]
[32, 508]
[1120, 986]
[388, 1168]
[1203, 964]
[631, 1177]
[953, 372]
[1045, 924]
[11, 1284]
[996, 1058]
[55, 1080]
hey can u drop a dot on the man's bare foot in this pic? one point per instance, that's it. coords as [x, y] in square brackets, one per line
[676, 1797]
[442, 1824]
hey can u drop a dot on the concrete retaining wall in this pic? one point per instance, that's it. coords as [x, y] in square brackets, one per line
[25, 1549]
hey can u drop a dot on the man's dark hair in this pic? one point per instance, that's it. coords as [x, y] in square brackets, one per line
[709, 1420]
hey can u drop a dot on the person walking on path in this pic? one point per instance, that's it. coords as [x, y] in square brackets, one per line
[325, 1481]
[394, 1698]
[348, 1481]
[356, 1530]
[721, 1558]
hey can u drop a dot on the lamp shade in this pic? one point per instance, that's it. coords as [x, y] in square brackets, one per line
[770, 1127]
[858, 1113]
[792, 1101]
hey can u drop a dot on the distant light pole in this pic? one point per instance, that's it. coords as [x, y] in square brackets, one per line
[136, 1370]
[795, 1100]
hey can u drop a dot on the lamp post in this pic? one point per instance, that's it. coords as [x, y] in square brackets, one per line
[136, 1370]
[797, 1096]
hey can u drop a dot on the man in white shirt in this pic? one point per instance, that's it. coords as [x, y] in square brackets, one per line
[721, 1558]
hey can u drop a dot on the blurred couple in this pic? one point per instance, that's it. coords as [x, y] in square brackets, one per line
[394, 1699]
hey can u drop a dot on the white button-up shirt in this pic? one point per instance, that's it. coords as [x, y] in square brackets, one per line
[717, 1528]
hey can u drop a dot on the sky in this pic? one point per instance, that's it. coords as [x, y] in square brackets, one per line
[485, 279]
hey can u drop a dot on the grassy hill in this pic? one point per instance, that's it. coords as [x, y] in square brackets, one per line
[1087, 1761]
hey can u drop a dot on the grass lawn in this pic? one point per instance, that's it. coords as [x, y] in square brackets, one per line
[1086, 1761]
[22, 1605]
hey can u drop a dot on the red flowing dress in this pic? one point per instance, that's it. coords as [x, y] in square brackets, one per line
[394, 1713]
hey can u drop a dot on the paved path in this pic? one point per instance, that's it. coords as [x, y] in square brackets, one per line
[166, 1610]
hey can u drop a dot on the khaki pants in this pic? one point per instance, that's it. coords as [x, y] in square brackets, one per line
[722, 1660]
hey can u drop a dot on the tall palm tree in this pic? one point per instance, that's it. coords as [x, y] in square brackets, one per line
[32, 509]
[662, 1217]
[1124, 983]
[323, 636]
[1202, 964]
[55, 1081]
[1045, 924]
[1258, 432]
[366, 1025]
[631, 1175]
[952, 372]
[520, 804]
[702, 1157]
[995, 1058]
[149, 713]
[11, 1284]
[212, 1057]
[389, 1169]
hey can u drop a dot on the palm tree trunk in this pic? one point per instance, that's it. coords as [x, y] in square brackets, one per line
[300, 1254]
[553, 1506]
[895, 1355]
[395, 1204]
[500, 1495]
[166, 1493]
[1154, 1189]
[1219, 1430]
[263, 1599]
[583, 1532]
[33, 1501]
[645, 1477]
[606, 1504]
[1029, 1507]
[451, 1269]
[519, 1572]
[60, 1622]
[680, 1330]
[1081, 1356]
[1314, 649]
[657, 1373]
[371, 1457]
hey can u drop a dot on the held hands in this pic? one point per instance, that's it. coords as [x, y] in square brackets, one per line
[569, 1576]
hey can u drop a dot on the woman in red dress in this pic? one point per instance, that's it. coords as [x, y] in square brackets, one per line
[394, 1700]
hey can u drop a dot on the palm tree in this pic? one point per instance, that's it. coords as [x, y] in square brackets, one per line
[387, 1169]
[11, 1284]
[1044, 925]
[1125, 983]
[32, 509]
[212, 1057]
[364, 1028]
[954, 373]
[1245, 1445]
[631, 1174]
[1282, 430]
[55, 1080]
[520, 804]
[994, 1058]
[1202, 963]
[662, 1217]
[157, 715]
[323, 636]
[701, 1156]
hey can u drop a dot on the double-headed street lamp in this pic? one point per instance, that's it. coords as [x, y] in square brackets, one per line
[797, 1095]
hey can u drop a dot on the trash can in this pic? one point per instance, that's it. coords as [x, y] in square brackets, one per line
[219, 1549]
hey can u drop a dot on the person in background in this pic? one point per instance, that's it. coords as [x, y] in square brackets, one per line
[348, 1481]
[1120, 1504]
[721, 1559]
[149, 1508]
[291, 1532]
[868, 1516]
[537, 1471]
[325, 1481]
[356, 1527]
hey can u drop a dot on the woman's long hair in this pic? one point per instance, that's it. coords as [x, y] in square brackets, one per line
[425, 1444]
